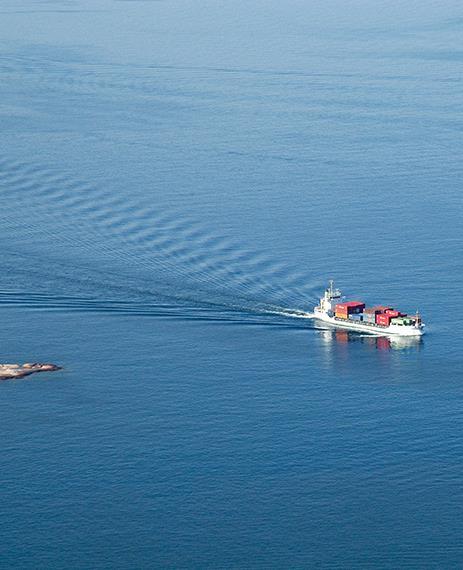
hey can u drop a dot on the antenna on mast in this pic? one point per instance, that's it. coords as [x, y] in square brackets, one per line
[331, 287]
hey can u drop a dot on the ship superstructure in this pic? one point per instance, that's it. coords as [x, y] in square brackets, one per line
[354, 315]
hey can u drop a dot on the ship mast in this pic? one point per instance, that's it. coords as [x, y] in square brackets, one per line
[331, 287]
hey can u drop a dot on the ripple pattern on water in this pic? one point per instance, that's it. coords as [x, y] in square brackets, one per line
[166, 248]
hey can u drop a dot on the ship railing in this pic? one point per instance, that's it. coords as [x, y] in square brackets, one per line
[370, 324]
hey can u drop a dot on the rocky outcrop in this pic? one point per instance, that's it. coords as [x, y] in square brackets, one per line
[20, 370]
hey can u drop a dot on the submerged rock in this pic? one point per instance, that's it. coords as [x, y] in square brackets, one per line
[21, 370]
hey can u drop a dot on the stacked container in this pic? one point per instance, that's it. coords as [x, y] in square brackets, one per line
[369, 314]
[369, 317]
[355, 317]
[344, 310]
[380, 315]
[383, 319]
[392, 313]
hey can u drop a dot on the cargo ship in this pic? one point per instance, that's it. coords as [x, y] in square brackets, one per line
[354, 315]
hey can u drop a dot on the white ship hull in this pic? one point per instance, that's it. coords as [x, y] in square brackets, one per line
[369, 328]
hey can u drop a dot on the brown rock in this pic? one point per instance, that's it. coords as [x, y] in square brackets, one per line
[19, 371]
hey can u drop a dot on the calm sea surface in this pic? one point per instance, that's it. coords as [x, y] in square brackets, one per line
[177, 179]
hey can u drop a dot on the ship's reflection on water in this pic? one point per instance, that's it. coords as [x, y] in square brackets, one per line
[384, 343]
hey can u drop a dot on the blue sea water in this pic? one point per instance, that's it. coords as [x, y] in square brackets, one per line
[177, 180]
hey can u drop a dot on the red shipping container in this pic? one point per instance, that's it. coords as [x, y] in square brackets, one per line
[383, 319]
[349, 307]
[392, 313]
[377, 310]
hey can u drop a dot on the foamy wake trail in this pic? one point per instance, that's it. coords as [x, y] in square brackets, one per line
[82, 289]
[292, 313]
